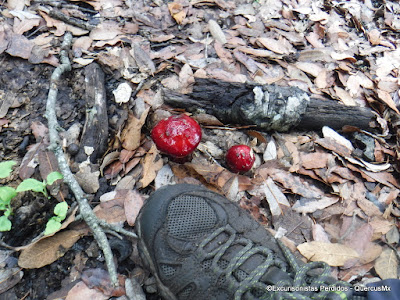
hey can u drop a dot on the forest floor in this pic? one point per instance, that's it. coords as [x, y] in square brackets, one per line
[335, 193]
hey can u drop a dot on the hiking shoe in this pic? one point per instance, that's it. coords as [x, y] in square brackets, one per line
[199, 245]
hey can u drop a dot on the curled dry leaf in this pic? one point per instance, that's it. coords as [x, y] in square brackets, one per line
[152, 162]
[177, 11]
[131, 135]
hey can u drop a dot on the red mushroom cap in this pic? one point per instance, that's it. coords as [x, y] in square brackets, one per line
[177, 136]
[240, 158]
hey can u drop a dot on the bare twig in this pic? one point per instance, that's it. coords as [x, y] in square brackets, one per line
[55, 145]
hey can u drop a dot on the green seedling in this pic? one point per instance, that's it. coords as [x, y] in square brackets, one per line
[6, 168]
[34, 185]
[54, 224]
[8, 193]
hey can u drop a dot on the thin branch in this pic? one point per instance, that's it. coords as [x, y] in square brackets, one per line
[55, 145]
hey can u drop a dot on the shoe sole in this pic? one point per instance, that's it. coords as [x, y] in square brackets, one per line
[148, 264]
[170, 193]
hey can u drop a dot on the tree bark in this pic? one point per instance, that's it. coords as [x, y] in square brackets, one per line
[269, 107]
[95, 131]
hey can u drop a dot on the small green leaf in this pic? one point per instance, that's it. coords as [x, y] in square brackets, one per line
[53, 176]
[61, 210]
[5, 224]
[6, 194]
[52, 226]
[31, 184]
[6, 168]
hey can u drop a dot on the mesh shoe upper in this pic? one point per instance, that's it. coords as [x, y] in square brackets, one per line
[199, 245]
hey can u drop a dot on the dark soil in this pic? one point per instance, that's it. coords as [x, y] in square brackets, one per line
[30, 84]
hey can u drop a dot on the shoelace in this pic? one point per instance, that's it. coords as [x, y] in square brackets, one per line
[339, 291]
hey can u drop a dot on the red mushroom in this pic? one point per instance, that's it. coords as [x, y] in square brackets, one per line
[240, 158]
[177, 136]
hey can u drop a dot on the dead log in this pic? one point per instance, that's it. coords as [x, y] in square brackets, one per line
[95, 130]
[269, 107]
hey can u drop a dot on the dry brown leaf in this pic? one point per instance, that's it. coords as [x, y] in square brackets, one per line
[82, 43]
[385, 97]
[374, 37]
[258, 52]
[277, 201]
[371, 252]
[368, 207]
[143, 59]
[333, 145]
[82, 291]
[381, 226]
[280, 46]
[224, 54]
[161, 38]
[186, 79]
[126, 155]
[344, 96]
[315, 160]
[311, 205]
[385, 178]
[132, 204]
[131, 134]
[113, 170]
[20, 46]
[321, 81]
[319, 234]
[87, 178]
[291, 182]
[48, 250]
[386, 265]
[112, 215]
[116, 197]
[26, 24]
[207, 120]
[108, 159]
[332, 253]
[152, 162]
[350, 274]
[177, 11]
[249, 63]
[106, 30]
[360, 240]
[30, 161]
[388, 84]
[313, 69]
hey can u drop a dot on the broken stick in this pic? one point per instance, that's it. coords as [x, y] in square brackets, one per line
[269, 107]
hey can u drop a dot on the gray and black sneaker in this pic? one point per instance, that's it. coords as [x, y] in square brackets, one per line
[199, 245]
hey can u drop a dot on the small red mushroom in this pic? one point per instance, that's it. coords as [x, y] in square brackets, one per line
[177, 136]
[240, 158]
